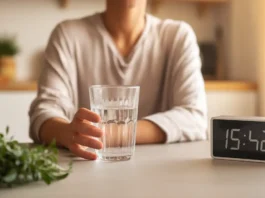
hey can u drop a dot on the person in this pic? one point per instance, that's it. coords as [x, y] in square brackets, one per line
[121, 46]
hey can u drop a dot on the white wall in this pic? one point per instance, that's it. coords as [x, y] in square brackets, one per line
[33, 20]
[242, 49]
[203, 25]
[14, 107]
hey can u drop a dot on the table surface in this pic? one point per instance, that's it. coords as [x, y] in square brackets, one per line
[176, 170]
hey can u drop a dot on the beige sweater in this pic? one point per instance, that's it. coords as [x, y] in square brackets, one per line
[165, 63]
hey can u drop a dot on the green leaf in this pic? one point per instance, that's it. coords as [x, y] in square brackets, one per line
[11, 176]
[20, 164]
[46, 178]
[62, 176]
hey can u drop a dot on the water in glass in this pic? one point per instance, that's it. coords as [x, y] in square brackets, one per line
[119, 129]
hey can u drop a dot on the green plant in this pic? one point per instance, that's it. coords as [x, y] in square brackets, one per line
[8, 46]
[20, 164]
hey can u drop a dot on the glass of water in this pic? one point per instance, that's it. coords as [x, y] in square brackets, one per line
[118, 109]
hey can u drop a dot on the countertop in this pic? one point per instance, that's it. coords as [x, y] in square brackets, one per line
[177, 170]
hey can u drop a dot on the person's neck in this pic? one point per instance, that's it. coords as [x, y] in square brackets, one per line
[125, 27]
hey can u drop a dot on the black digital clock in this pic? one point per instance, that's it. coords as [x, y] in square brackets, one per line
[238, 138]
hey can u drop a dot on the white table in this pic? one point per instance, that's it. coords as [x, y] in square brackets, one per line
[177, 170]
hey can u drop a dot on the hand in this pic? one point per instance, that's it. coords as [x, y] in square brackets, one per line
[83, 134]
[76, 136]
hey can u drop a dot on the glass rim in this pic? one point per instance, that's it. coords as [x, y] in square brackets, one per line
[114, 86]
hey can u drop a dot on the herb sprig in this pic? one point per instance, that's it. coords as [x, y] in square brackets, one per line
[20, 164]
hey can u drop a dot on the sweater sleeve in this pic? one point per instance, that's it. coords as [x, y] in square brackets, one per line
[186, 119]
[55, 97]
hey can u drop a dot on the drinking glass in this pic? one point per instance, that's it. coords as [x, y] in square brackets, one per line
[118, 108]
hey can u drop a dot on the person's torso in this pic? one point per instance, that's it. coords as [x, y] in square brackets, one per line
[98, 62]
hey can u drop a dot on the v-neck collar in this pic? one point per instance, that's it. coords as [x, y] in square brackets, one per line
[125, 62]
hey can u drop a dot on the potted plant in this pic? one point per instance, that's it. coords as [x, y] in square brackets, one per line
[8, 50]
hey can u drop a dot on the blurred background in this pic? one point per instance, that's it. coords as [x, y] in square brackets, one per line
[230, 35]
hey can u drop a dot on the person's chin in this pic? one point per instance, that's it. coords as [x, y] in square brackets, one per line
[130, 3]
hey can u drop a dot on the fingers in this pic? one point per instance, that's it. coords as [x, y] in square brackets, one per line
[84, 133]
[85, 114]
[85, 128]
[87, 141]
[80, 152]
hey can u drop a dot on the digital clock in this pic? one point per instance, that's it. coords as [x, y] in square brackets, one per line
[238, 138]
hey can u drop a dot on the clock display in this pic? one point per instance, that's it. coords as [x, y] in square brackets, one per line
[238, 139]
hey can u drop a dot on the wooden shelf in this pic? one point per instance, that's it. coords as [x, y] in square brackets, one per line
[18, 86]
[210, 85]
[214, 85]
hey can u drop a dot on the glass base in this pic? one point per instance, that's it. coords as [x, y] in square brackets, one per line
[115, 158]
